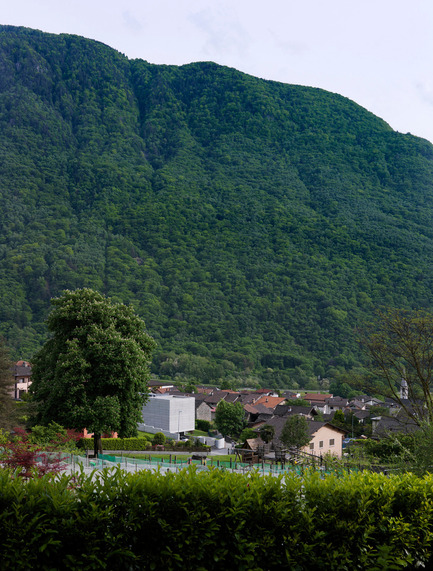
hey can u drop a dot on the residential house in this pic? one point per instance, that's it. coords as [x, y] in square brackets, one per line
[22, 375]
[290, 395]
[270, 401]
[159, 386]
[383, 426]
[362, 415]
[205, 390]
[256, 415]
[356, 405]
[370, 401]
[325, 438]
[232, 396]
[334, 403]
[318, 400]
[267, 392]
[249, 398]
[217, 396]
[309, 412]
[203, 411]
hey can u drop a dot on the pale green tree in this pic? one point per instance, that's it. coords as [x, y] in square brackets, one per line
[93, 371]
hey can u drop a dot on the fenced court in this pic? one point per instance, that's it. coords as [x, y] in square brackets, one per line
[173, 463]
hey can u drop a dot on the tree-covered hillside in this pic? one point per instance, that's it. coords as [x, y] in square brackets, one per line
[252, 224]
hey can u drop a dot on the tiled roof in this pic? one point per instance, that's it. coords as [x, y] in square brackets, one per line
[270, 402]
[232, 397]
[248, 398]
[215, 398]
[316, 397]
[20, 371]
[337, 401]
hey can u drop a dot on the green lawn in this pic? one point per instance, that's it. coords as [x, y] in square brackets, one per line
[150, 436]
[144, 455]
[147, 435]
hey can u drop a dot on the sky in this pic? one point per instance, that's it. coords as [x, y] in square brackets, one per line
[379, 53]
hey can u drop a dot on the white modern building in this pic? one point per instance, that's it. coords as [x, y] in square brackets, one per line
[171, 414]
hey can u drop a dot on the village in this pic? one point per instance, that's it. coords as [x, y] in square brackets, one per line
[333, 421]
[265, 407]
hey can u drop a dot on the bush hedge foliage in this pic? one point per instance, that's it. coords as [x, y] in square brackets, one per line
[216, 520]
[138, 444]
[135, 444]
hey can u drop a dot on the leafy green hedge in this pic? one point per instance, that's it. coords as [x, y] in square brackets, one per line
[118, 444]
[216, 520]
[137, 444]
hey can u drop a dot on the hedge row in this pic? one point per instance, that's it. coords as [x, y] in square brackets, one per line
[137, 444]
[216, 520]
[118, 444]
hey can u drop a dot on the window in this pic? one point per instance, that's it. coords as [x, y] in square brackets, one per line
[332, 442]
[321, 444]
[311, 445]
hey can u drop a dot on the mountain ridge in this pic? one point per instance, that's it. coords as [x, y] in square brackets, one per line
[252, 224]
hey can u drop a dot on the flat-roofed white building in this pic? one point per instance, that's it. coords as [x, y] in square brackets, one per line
[171, 414]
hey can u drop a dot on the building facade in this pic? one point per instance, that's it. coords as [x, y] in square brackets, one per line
[171, 414]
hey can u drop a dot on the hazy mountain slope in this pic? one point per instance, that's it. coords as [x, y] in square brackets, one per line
[251, 223]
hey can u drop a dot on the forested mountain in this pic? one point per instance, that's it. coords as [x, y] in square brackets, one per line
[252, 224]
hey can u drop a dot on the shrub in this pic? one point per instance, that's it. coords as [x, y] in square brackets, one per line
[135, 444]
[27, 460]
[216, 520]
[246, 434]
[203, 425]
[159, 438]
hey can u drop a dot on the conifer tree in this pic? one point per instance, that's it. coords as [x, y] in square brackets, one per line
[6, 387]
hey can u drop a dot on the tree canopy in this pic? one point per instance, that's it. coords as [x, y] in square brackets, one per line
[6, 387]
[267, 433]
[251, 223]
[399, 345]
[230, 418]
[93, 371]
[295, 432]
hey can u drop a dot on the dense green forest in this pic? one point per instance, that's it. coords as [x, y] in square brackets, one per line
[252, 224]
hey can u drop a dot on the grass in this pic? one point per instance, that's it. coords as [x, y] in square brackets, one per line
[147, 435]
[144, 455]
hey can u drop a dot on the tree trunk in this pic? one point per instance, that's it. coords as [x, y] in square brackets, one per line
[97, 444]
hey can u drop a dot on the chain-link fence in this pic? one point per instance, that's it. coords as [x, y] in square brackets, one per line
[173, 463]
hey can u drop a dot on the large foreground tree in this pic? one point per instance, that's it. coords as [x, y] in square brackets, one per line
[93, 372]
[400, 349]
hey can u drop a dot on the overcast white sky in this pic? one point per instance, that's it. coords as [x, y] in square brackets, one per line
[378, 53]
